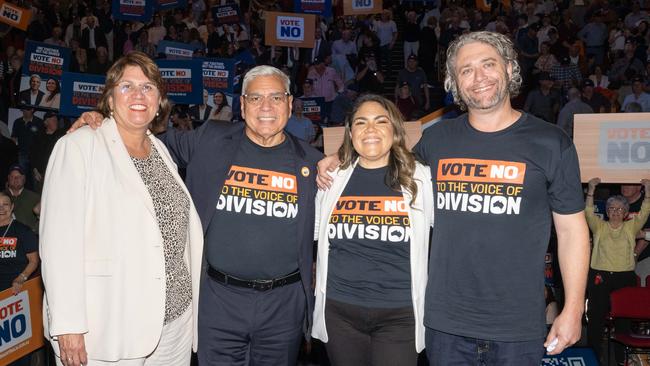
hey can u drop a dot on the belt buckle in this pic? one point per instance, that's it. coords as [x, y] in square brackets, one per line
[262, 285]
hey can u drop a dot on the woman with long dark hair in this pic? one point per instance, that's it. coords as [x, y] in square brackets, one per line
[372, 228]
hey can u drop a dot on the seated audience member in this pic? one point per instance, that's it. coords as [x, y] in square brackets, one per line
[405, 102]
[24, 199]
[417, 80]
[343, 105]
[546, 59]
[43, 145]
[369, 77]
[638, 96]
[574, 106]
[599, 78]
[544, 101]
[299, 125]
[596, 100]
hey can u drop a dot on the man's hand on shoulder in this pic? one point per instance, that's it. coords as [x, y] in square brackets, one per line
[326, 165]
[92, 119]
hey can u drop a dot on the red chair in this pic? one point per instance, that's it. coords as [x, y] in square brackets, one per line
[630, 303]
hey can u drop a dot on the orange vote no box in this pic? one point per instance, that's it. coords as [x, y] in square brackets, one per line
[261, 179]
[14, 15]
[482, 171]
[21, 321]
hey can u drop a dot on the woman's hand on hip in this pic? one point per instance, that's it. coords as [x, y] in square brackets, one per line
[73, 350]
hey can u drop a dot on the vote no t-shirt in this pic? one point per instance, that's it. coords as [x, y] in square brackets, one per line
[494, 195]
[369, 234]
[252, 234]
[14, 246]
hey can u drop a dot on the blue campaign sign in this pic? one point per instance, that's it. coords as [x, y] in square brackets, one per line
[226, 14]
[174, 50]
[45, 60]
[183, 80]
[572, 357]
[219, 74]
[320, 7]
[138, 10]
[170, 4]
[80, 93]
[312, 108]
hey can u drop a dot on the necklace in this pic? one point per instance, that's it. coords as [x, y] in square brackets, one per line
[140, 153]
[7, 229]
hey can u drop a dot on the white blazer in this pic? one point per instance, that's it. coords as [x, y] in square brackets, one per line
[421, 217]
[101, 249]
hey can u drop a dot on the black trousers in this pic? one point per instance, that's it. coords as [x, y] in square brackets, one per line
[241, 326]
[360, 336]
[599, 286]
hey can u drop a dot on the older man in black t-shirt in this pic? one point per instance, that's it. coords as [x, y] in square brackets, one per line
[254, 189]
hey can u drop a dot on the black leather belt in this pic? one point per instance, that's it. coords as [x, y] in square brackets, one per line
[259, 285]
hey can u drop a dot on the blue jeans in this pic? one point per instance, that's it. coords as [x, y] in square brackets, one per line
[445, 349]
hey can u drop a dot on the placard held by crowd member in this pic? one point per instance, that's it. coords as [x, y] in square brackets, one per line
[15, 16]
[312, 107]
[170, 4]
[319, 7]
[175, 50]
[183, 80]
[614, 147]
[40, 83]
[136, 10]
[290, 29]
[226, 14]
[361, 7]
[81, 92]
[220, 75]
[21, 329]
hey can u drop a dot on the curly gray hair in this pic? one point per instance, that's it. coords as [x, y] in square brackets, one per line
[504, 47]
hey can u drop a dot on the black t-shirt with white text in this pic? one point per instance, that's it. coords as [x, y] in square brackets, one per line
[14, 246]
[369, 234]
[252, 233]
[494, 194]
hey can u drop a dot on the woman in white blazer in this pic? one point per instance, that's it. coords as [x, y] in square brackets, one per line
[121, 241]
[372, 227]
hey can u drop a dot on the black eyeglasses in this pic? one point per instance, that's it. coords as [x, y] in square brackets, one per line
[274, 98]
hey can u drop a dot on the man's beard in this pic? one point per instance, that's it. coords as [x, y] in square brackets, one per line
[499, 95]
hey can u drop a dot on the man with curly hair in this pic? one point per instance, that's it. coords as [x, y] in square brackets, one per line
[501, 178]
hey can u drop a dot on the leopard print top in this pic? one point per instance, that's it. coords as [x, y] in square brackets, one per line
[172, 207]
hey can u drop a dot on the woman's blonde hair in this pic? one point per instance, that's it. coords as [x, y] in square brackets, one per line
[150, 70]
[401, 161]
